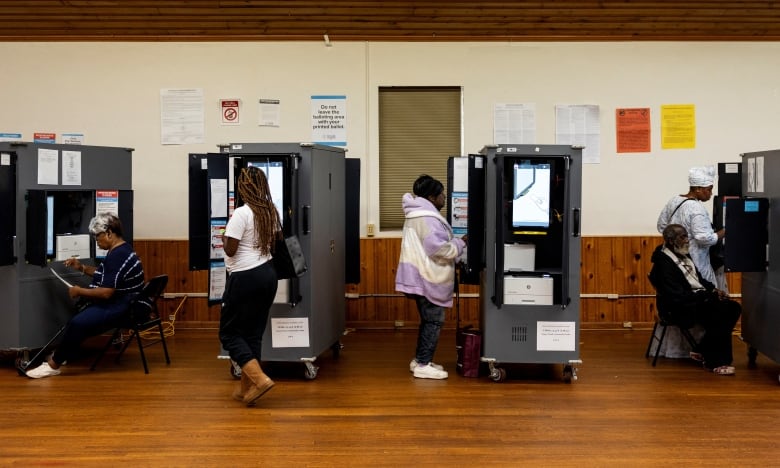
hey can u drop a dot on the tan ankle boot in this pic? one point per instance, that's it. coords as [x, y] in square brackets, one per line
[240, 391]
[259, 383]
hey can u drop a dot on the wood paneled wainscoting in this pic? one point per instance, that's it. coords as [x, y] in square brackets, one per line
[615, 292]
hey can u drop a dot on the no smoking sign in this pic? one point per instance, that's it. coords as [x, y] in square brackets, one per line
[230, 111]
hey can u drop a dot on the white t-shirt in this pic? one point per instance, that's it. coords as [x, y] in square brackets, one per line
[242, 227]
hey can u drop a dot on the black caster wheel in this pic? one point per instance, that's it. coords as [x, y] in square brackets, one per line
[498, 374]
[310, 372]
[752, 356]
[21, 366]
[336, 348]
[568, 374]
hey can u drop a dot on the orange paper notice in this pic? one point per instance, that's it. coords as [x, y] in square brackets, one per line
[633, 130]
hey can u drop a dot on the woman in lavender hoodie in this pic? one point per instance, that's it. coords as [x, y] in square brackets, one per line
[426, 269]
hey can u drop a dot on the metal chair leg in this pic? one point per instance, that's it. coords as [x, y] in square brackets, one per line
[111, 340]
[660, 342]
[165, 346]
[141, 350]
[652, 338]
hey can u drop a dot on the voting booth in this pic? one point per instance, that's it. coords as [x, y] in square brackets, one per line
[309, 187]
[524, 237]
[48, 195]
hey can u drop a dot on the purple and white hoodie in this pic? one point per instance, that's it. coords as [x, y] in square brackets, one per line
[428, 253]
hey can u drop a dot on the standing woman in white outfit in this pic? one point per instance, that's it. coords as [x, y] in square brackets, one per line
[689, 211]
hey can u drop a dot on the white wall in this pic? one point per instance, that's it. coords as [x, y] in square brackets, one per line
[110, 92]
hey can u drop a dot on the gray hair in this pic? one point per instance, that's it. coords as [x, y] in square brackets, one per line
[104, 222]
[672, 232]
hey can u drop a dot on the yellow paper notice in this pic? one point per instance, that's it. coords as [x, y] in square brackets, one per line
[678, 126]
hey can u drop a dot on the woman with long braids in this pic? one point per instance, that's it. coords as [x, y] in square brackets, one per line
[251, 285]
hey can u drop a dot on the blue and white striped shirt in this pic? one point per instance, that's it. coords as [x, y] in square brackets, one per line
[121, 270]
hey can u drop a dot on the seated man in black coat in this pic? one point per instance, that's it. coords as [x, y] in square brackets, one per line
[685, 298]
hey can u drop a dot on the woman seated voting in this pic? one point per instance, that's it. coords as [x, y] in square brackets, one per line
[118, 278]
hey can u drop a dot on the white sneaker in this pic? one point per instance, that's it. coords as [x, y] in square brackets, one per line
[429, 372]
[44, 370]
[413, 364]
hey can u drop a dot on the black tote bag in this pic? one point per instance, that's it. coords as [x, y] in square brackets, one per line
[288, 258]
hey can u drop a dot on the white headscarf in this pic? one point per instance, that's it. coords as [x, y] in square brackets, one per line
[701, 176]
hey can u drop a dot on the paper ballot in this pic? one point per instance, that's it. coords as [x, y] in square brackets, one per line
[61, 279]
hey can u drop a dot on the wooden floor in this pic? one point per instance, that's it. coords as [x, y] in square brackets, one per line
[365, 409]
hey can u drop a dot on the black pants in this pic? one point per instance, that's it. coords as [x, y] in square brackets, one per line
[718, 318]
[246, 304]
[95, 319]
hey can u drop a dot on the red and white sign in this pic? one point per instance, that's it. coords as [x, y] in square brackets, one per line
[230, 109]
[41, 137]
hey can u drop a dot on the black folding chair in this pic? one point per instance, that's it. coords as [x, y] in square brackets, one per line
[664, 324]
[663, 320]
[142, 315]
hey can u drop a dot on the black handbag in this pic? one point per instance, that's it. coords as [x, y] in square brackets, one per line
[288, 258]
[717, 255]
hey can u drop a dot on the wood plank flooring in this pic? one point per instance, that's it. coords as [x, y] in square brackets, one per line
[365, 409]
